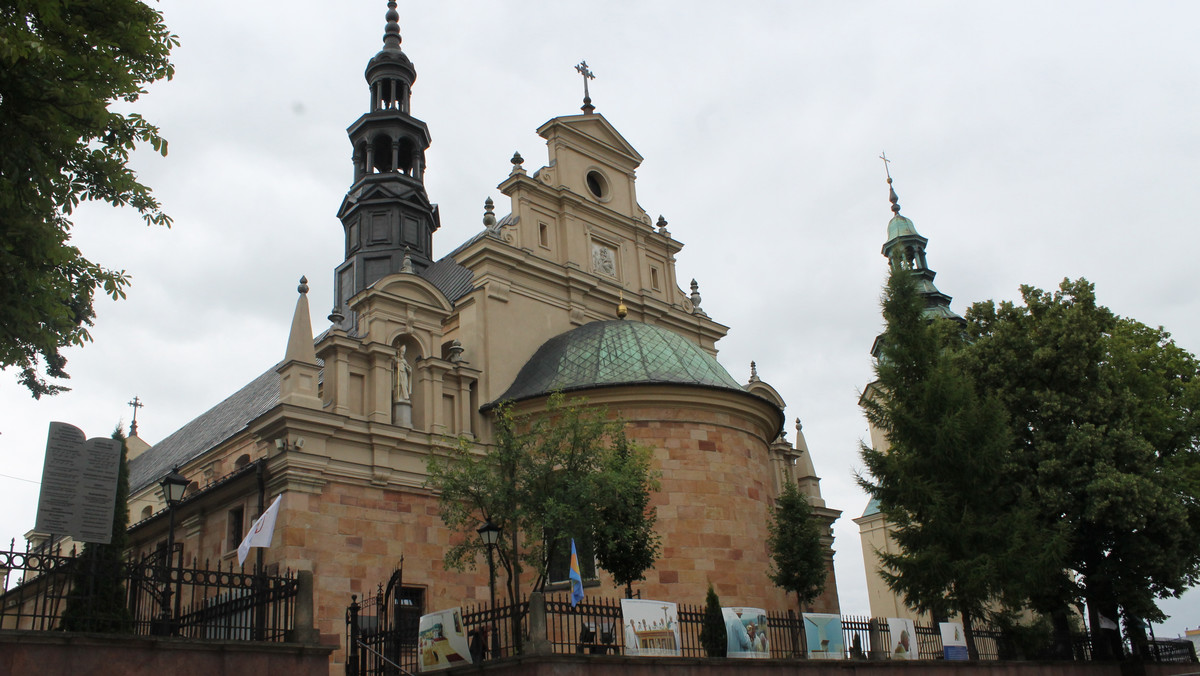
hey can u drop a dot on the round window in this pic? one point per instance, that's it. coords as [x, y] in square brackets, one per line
[597, 185]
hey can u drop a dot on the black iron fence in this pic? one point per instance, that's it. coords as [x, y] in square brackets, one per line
[52, 590]
[550, 624]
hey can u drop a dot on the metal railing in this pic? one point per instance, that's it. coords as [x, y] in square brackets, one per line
[595, 627]
[56, 590]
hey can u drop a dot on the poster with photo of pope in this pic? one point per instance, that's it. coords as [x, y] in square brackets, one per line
[823, 636]
[903, 639]
[746, 633]
[441, 641]
[651, 628]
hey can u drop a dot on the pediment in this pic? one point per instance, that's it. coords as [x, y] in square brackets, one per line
[590, 130]
[390, 191]
[767, 392]
[410, 288]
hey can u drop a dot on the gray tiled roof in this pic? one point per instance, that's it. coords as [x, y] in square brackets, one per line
[452, 279]
[206, 431]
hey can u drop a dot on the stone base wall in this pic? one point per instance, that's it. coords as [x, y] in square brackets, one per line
[567, 665]
[26, 652]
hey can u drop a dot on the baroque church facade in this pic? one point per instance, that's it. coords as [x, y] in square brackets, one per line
[418, 349]
[904, 248]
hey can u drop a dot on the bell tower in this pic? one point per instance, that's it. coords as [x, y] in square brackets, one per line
[386, 214]
[905, 249]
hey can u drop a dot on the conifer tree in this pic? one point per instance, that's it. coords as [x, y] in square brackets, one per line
[794, 540]
[940, 482]
[712, 633]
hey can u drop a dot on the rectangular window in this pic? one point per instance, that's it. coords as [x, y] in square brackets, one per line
[544, 235]
[654, 278]
[236, 528]
[558, 572]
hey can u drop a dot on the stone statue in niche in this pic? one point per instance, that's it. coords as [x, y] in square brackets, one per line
[401, 378]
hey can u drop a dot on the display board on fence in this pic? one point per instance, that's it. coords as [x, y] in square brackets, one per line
[823, 634]
[954, 643]
[79, 485]
[746, 632]
[441, 642]
[651, 628]
[903, 639]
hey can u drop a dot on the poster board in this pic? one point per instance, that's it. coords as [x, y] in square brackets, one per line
[954, 642]
[651, 628]
[441, 641]
[823, 636]
[746, 633]
[903, 642]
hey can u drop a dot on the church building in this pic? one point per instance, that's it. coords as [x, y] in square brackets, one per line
[573, 290]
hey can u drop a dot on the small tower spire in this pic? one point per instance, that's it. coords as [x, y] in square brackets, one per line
[891, 191]
[299, 372]
[391, 32]
[587, 106]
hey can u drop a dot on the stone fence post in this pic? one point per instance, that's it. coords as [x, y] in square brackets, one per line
[538, 644]
[303, 627]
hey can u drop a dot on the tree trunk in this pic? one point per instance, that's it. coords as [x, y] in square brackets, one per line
[969, 634]
[1106, 643]
[1063, 647]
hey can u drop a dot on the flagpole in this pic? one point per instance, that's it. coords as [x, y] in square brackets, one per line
[260, 614]
[261, 473]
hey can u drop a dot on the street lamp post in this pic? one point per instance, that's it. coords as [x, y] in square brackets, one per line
[173, 486]
[490, 534]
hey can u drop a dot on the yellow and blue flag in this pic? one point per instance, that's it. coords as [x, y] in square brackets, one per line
[576, 577]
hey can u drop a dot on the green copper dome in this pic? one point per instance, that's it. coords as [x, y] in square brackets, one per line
[901, 226]
[616, 352]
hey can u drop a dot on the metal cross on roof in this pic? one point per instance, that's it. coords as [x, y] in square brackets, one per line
[582, 69]
[886, 162]
[136, 404]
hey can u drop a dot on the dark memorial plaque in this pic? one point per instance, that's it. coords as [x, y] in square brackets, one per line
[79, 485]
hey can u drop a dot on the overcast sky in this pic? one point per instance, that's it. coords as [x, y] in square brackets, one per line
[1030, 142]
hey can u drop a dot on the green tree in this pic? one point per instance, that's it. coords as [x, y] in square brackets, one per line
[794, 540]
[62, 65]
[1103, 416]
[624, 539]
[98, 601]
[941, 480]
[712, 632]
[543, 480]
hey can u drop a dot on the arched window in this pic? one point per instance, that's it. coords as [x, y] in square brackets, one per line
[381, 153]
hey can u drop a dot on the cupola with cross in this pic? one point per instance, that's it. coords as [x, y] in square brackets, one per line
[386, 214]
[905, 249]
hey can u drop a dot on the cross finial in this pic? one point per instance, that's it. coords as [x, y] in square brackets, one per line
[891, 191]
[136, 404]
[582, 68]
